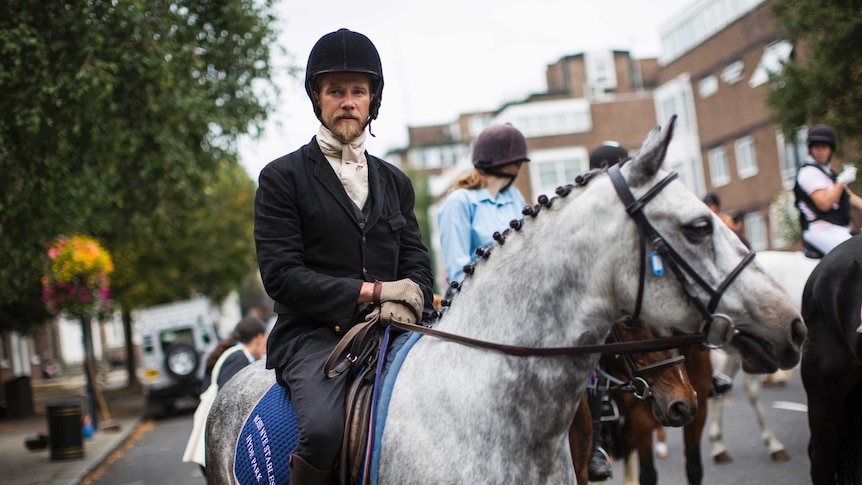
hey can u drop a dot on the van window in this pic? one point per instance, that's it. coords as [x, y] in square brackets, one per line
[205, 335]
[180, 336]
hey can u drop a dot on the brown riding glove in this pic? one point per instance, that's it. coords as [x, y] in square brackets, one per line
[404, 292]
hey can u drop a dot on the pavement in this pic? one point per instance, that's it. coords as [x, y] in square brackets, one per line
[20, 466]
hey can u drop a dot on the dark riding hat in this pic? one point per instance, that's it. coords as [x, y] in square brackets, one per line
[607, 154]
[345, 51]
[821, 134]
[499, 145]
[712, 199]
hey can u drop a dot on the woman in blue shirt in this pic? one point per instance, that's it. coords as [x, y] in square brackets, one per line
[483, 201]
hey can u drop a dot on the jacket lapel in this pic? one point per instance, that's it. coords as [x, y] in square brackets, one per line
[375, 191]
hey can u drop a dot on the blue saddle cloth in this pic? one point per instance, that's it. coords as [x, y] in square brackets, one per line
[271, 431]
[267, 439]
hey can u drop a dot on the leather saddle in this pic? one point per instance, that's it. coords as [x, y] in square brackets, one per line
[363, 344]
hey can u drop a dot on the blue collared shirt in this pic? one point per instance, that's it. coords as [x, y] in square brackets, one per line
[468, 219]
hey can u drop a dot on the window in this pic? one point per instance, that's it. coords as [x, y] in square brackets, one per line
[790, 156]
[601, 74]
[4, 362]
[707, 86]
[550, 169]
[732, 73]
[771, 62]
[548, 118]
[746, 159]
[719, 174]
[755, 231]
[668, 108]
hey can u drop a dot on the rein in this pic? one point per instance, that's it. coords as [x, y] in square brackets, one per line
[670, 257]
[649, 345]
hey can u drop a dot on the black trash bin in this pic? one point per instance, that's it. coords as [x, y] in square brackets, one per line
[19, 397]
[65, 430]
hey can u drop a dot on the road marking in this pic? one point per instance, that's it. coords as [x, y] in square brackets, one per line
[790, 406]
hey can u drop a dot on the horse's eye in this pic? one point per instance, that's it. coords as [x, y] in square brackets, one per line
[699, 229]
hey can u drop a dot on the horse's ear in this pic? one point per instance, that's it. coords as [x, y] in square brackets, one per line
[651, 155]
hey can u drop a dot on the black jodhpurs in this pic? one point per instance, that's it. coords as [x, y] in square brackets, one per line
[317, 399]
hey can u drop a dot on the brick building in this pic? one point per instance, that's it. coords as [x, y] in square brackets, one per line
[713, 74]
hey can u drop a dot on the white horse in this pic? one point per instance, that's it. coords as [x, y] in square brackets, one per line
[464, 414]
[791, 269]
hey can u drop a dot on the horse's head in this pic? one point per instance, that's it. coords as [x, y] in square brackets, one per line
[658, 377]
[697, 274]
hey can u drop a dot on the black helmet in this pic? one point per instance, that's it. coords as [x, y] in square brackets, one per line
[821, 134]
[607, 154]
[712, 199]
[499, 145]
[345, 51]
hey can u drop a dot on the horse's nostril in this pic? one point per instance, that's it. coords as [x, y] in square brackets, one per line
[681, 413]
[798, 332]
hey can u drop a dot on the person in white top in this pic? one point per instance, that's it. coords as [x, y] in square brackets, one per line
[822, 196]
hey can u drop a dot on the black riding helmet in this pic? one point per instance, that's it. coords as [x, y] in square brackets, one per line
[821, 134]
[499, 145]
[607, 154]
[345, 51]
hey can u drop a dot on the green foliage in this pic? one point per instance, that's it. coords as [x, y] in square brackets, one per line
[420, 207]
[822, 86]
[120, 119]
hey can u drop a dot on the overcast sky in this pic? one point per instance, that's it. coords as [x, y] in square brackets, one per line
[442, 58]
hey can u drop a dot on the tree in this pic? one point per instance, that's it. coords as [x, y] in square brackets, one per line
[822, 84]
[120, 119]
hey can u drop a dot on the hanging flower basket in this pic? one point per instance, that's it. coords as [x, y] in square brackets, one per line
[785, 215]
[76, 278]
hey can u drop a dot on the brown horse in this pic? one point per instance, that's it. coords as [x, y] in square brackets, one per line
[658, 379]
[637, 432]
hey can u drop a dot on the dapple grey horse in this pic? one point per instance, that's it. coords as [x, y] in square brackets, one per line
[560, 277]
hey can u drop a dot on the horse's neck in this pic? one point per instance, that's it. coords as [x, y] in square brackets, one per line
[541, 288]
[546, 285]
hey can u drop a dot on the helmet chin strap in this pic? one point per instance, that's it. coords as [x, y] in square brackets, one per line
[502, 175]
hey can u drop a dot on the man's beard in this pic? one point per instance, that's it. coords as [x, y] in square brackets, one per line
[346, 132]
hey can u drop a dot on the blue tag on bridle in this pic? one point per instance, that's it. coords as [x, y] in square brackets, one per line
[656, 263]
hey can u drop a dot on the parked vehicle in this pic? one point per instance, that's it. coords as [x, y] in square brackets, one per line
[175, 340]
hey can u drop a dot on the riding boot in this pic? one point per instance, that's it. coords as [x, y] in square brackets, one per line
[303, 473]
[599, 466]
[721, 384]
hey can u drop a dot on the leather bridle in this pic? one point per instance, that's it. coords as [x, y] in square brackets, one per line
[637, 383]
[670, 258]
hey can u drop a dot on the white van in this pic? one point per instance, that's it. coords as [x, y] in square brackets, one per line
[175, 341]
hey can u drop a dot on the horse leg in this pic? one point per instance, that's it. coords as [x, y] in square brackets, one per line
[776, 449]
[777, 379]
[827, 392]
[581, 442]
[630, 470]
[638, 430]
[699, 371]
[648, 475]
[823, 449]
[729, 366]
[720, 455]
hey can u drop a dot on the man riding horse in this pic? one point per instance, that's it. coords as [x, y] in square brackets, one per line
[337, 241]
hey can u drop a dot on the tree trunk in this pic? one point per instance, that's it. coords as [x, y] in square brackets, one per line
[89, 369]
[131, 357]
